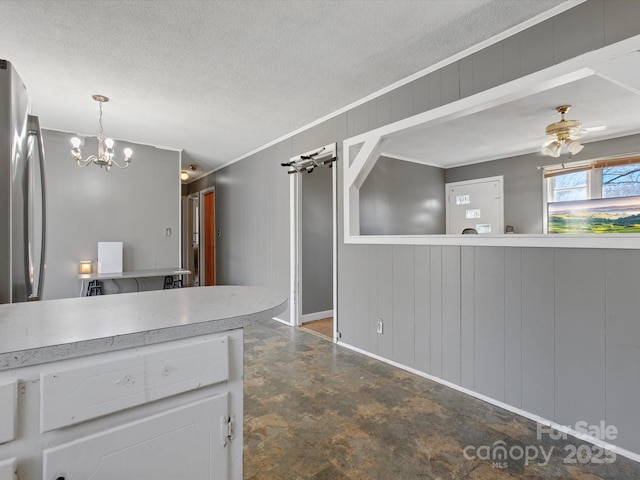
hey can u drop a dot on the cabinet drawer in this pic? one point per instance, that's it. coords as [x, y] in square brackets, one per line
[8, 469]
[184, 442]
[115, 381]
[8, 403]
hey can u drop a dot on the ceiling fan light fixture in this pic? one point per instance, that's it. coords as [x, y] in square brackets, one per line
[552, 149]
[565, 132]
[574, 146]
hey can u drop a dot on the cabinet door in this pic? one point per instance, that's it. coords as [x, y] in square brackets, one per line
[184, 442]
[9, 402]
[8, 469]
[121, 380]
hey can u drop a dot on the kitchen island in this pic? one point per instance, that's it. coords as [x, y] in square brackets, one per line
[140, 385]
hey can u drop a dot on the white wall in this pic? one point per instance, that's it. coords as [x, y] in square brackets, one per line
[88, 205]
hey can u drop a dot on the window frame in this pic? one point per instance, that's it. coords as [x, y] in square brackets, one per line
[594, 169]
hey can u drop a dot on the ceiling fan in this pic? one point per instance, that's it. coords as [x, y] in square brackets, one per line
[565, 133]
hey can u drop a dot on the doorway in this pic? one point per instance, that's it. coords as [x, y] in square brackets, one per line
[200, 238]
[313, 248]
[192, 240]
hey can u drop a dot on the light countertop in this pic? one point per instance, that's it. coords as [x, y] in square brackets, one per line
[51, 330]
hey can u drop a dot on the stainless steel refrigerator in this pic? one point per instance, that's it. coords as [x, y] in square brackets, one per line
[22, 193]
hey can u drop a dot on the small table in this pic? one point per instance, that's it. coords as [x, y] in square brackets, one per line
[134, 274]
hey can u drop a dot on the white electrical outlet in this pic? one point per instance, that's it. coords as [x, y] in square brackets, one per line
[380, 326]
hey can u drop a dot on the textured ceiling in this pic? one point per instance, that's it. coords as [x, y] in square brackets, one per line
[222, 78]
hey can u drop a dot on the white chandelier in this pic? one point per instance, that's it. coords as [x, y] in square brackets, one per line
[105, 147]
[563, 133]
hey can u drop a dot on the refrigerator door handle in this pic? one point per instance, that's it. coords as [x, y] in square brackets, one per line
[35, 284]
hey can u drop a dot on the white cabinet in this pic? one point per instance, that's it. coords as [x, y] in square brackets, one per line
[8, 469]
[183, 442]
[159, 412]
[8, 403]
[123, 380]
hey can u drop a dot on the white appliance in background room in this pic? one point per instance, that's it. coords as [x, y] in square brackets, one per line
[22, 193]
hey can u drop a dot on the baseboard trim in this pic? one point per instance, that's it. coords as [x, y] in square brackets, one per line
[518, 411]
[311, 317]
[282, 321]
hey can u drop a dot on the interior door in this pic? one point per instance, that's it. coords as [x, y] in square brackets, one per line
[476, 204]
[209, 230]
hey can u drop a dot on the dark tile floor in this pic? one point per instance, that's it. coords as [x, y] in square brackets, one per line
[314, 410]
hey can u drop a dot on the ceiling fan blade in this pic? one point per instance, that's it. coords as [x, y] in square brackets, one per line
[575, 135]
[597, 128]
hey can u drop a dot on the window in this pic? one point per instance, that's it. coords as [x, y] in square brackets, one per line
[571, 186]
[609, 178]
[621, 181]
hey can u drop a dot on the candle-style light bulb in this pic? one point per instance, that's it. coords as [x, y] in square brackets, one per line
[75, 141]
[108, 142]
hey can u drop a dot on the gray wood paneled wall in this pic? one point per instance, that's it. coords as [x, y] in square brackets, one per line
[392, 199]
[552, 331]
[523, 200]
